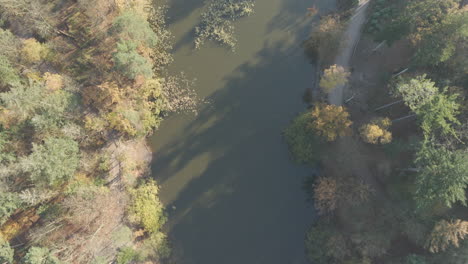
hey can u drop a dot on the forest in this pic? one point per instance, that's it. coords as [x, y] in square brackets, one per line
[392, 158]
[82, 83]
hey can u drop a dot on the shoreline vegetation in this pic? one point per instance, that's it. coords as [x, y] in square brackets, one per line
[82, 84]
[393, 157]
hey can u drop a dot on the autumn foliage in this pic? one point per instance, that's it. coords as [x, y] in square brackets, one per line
[330, 121]
[333, 77]
[446, 233]
[376, 132]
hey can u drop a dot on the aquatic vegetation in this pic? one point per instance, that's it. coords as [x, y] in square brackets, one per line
[217, 21]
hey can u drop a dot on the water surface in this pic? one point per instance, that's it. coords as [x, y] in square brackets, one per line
[233, 194]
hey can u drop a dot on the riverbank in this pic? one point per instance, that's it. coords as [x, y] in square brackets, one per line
[380, 194]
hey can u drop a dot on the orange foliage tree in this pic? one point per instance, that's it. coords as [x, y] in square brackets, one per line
[446, 233]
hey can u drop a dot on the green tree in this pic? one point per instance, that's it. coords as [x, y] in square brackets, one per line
[145, 207]
[35, 100]
[6, 252]
[443, 176]
[131, 26]
[439, 115]
[9, 44]
[129, 62]
[52, 163]
[423, 16]
[8, 74]
[441, 43]
[416, 91]
[9, 203]
[39, 255]
[128, 255]
[304, 145]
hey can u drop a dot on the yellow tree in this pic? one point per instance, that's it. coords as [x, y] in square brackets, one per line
[34, 51]
[377, 131]
[333, 77]
[330, 121]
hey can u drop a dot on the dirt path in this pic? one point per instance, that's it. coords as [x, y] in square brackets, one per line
[351, 36]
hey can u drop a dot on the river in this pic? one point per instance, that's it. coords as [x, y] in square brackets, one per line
[232, 193]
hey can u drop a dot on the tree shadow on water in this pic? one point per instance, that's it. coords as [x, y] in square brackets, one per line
[180, 9]
[246, 205]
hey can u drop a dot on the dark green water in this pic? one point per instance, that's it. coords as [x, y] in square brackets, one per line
[233, 195]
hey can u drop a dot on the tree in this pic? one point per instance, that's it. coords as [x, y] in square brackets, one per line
[441, 43]
[304, 145]
[8, 74]
[9, 44]
[330, 193]
[330, 121]
[53, 81]
[145, 207]
[333, 77]
[443, 176]
[376, 132]
[324, 41]
[129, 62]
[446, 233]
[416, 91]
[33, 51]
[32, 16]
[9, 203]
[423, 16]
[52, 163]
[132, 26]
[325, 245]
[128, 255]
[38, 255]
[439, 115]
[326, 195]
[6, 252]
[34, 100]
